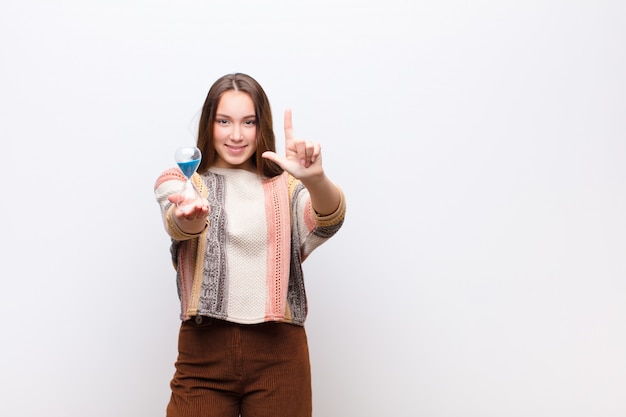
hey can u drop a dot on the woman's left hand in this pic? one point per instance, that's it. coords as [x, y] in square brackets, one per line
[303, 158]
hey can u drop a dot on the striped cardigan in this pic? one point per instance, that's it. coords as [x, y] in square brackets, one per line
[245, 266]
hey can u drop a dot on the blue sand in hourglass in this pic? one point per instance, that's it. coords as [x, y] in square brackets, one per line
[189, 167]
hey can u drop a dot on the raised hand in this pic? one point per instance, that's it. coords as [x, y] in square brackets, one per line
[303, 158]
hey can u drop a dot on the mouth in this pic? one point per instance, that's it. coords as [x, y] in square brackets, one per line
[235, 149]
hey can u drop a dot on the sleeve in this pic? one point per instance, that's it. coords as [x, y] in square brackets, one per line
[170, 182]
[334, 218]
[312, 229]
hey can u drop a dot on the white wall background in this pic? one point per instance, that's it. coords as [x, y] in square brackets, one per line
[482, 146]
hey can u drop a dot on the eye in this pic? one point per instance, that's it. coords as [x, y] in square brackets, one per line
[250, 122]
[221, 121]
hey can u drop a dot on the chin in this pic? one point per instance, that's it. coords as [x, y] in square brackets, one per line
[242, 164]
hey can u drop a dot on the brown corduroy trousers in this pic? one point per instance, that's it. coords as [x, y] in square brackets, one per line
[227, 370]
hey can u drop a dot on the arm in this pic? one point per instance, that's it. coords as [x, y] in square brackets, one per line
[325, 196]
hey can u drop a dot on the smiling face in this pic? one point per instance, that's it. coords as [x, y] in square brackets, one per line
[235, 131]
[229, 100]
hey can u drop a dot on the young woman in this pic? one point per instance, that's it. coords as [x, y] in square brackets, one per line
[238, 253]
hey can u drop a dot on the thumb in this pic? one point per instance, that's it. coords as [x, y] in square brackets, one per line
[281, 161]
[274, 157]
[292, 167]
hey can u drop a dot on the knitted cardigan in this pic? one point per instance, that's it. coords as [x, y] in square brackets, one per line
[246, 265]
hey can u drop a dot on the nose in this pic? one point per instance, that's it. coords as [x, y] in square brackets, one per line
[236, 133]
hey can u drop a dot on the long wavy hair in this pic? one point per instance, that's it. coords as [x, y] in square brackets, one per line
[265, 137]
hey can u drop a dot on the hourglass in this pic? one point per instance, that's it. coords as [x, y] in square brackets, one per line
[188, 160]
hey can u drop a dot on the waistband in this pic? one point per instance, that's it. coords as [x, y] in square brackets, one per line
[208, 321]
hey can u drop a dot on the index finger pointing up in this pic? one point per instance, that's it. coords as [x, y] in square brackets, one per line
[288, 125]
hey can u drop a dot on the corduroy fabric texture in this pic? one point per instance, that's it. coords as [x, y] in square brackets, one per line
[227, 370]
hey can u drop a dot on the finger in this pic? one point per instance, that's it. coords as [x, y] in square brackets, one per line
[194, 212]
[308, 153]
[300, 149]
[281, 161]
[317, 149]
[291, 166]
[199, 214]
[288, 125]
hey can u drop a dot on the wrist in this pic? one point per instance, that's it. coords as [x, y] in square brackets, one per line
[315, 181]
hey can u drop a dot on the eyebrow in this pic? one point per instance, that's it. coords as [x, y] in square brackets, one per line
[225, 116]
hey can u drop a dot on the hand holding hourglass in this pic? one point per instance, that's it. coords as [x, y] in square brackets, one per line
[188, 160]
